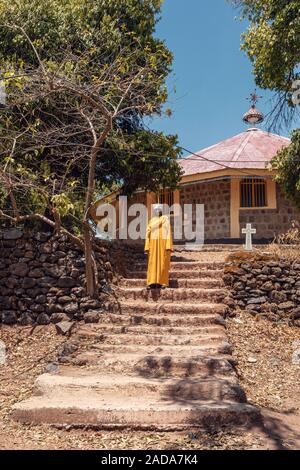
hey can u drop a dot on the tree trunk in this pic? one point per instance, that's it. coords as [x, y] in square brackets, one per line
[90, 275]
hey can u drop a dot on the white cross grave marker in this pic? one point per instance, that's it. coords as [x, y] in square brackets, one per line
[2, 92]
[2, 353]
[249, 231]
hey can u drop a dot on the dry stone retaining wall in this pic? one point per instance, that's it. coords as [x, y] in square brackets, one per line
[42, 278]
[265, 285]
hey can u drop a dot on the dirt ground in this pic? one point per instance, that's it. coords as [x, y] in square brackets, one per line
[269, 372]
[265, 366]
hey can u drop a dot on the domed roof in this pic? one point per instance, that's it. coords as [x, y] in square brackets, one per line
[252, 149]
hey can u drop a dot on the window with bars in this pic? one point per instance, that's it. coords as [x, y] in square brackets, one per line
[165, 196]
[253, 192]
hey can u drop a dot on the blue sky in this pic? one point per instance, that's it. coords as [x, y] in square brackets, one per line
[212, 76]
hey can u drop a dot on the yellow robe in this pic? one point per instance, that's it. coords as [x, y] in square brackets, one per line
[159, 245]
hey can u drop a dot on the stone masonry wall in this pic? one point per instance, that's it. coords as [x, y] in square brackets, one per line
[269, 223]
[216, 199]
[42, 278]
[265, 285]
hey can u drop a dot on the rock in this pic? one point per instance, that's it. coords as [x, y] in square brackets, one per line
[256, 300]
[272, 264]
[228, 279]
[59, 317]
[26, 319]
[42, 237]
[229, 301]
[28, 283]
[47, 281]
[71, 308]
[8, 317]
[19, 269]
[64, 327]
[267, 286]
[286, 306]
[12, 234]
[51, 368]
[252, 283]
[252, 360]
[272, 317]
[75, 273]
[92, 317]
[278, 296]
[53, 307]
[55, 271]
[296, 314]
[46, 248]
[276, 271]
[43, 319]
[11, 282]
[239, 286]
[64, 299]
[67, 349]
[36, 273]
[41, 299]
[66, 281]
[225, 348]
[87, 304]
[253, 310]
[106, 289]
[246, 267]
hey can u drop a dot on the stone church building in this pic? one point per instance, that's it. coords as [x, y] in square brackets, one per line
[232, 181]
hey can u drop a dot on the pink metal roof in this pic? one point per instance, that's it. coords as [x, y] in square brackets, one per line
[252, 149]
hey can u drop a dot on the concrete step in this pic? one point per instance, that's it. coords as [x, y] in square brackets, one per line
[213, 248]
[179, 274]
[156, 339]
[156, 365]
[97, 330]
[136, 414]
[178, 283]
[166, 309]
[187, 265]
[165, 320]
[171, 295]
[129, 387]
[208, 347]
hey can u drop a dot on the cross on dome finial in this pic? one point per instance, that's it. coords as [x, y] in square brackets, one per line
[253, 116]
[254, 98]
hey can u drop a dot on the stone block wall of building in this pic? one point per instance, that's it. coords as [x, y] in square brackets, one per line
[271, 222]
[216, 199]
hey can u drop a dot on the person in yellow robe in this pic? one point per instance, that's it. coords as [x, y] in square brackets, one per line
[158, 247]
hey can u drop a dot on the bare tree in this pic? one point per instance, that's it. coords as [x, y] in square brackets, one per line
[55, 125]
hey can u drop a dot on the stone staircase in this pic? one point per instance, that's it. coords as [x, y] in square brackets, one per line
[160, 360]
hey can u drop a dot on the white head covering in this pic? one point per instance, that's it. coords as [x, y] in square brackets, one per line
[158, 207]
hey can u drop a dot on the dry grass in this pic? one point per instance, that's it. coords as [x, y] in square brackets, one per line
[264, 351]
[286, 252]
